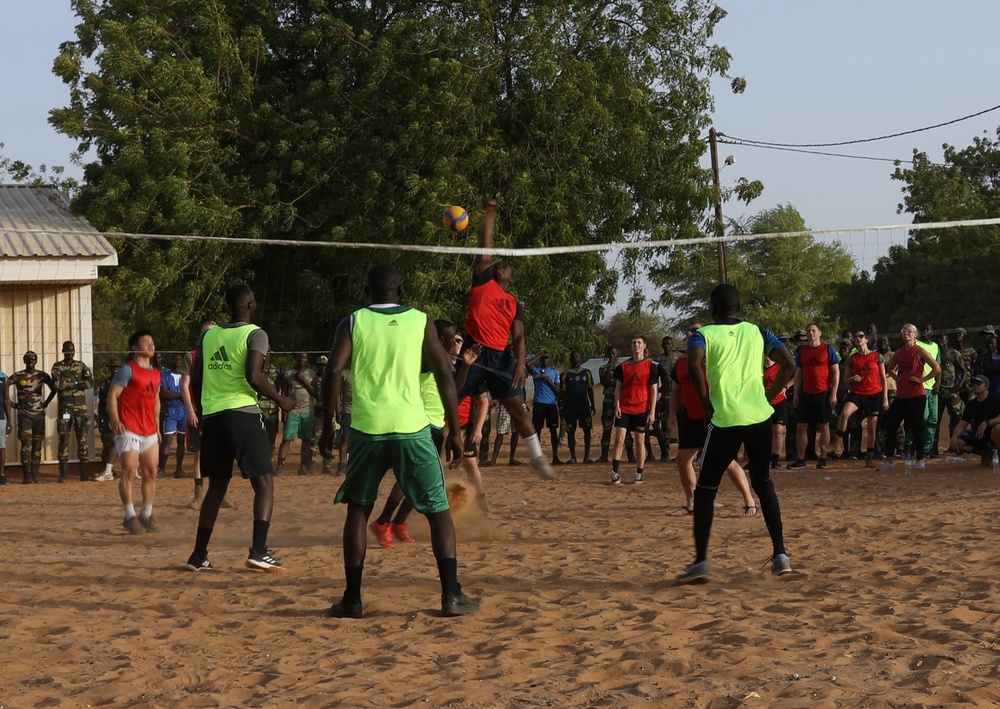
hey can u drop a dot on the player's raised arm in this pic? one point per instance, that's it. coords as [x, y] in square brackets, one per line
[483, 261]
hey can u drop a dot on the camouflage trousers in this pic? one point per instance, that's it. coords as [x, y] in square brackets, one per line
[66, 427]
[31, 434]
[607, 421]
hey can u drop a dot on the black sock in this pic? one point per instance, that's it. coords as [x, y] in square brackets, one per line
[260, 529]
[405, 508]
[198, 482]
[448, 571]
[353, 591]
[614, 465]
[390, 507]
[201, 541]
[638, 472]
[774, 460]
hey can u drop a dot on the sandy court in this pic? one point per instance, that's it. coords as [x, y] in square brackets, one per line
[893, 601]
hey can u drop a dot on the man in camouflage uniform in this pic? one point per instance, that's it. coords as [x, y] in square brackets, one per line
[300, 422]
[269, 410]
[108, 451]
[72, 379]
[31, 405]
[969, 360]
[5, 427]
[954, 376]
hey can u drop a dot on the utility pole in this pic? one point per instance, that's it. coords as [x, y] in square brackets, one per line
[719, 225]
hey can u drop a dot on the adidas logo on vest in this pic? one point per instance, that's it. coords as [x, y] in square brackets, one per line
[220, 360]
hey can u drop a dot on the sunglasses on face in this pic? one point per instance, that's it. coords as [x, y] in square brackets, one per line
[859, 337]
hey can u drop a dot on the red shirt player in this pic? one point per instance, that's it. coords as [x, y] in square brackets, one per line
[134, 412]
[865, 375]
[494, 318]
[817, 376]
[636, 385]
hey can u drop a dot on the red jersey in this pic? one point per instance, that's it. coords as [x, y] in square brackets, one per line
[636, 378]
[692, 402]
[492, 311]
[866, 366]
[909, 364]
[770, 374]
[815, 363]
[137, 403]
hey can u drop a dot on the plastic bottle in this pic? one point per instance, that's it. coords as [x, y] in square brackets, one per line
[908, 466]
[996, 463]
[954, 459]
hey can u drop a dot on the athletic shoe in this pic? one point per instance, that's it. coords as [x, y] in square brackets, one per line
[179, 475]
[457, 604]
[3, 479]
[280, 470]
[105, 477]
[401, 532]
[305, 470]
[198, 563]
[264, 562]
[616, 479]
[383, 533]
[345, 609]
[638, 479]
[589, 461]
[327, 467]
[694, 573]
[133, 526]
[821, 464]
[571, 461]
[780, 565]
[886, 466]
[796, 464]
[148, 523]
[540, 467]
[919, 465]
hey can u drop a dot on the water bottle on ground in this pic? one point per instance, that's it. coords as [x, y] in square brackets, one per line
[996, 462]
[908, 466]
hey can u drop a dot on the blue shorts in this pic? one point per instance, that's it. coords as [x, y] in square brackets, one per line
[496, 369]
[175, 422]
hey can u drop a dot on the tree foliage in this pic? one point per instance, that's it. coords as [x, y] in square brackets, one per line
[359, 122]
[946, 277]
[785, 283]
[620, 328]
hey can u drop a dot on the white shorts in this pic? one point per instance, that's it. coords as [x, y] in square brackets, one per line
[132, 442]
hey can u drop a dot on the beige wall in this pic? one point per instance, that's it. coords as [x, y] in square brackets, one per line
[40, 318]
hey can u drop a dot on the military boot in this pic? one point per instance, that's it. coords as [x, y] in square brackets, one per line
[34, 475]
[64, 471]
[85, 471]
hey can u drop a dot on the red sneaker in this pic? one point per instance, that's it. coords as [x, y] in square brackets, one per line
[382, 532]
[402, 532]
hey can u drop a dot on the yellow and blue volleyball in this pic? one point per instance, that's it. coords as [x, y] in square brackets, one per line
[456, 218]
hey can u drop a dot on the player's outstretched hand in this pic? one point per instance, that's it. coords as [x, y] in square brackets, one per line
[453, 448]
[517, 379]
[326, 440]
[286, 403]
[472, 354]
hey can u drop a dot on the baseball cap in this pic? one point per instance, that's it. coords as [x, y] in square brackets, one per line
[980, 379]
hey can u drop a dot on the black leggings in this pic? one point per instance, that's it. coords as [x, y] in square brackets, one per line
[910, 411]
[721, 448]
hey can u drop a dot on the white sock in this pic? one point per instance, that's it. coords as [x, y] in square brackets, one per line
[147, 510]
[107, 468]
[129, 511]
[534, 446]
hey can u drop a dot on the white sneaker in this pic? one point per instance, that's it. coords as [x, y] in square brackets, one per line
[540, 467]
[105, 477]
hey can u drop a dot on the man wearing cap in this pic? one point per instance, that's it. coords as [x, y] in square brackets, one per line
[968, 359]
[72, 379]
[978, 431]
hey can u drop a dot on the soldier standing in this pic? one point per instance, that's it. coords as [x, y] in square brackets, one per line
[269, 410]
[72, 379]
[108, 451]
[31, 405]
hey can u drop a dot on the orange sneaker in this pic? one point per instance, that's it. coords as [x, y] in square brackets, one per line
[402, 532]
[382, 532]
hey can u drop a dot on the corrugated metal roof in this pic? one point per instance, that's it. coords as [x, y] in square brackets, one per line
[37, 222]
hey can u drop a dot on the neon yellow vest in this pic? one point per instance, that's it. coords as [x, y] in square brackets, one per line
[386, 358]
[934, 350]
[432, 399]
[734, 362]
[224, 383]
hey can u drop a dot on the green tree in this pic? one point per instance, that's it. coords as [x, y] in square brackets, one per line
[943, 276]
[359, 122]
[784, 282]
[619, 329]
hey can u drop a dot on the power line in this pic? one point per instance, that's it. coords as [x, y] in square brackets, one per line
[862, 140]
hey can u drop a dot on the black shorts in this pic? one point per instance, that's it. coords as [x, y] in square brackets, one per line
[234, 435]
[545, 416]
[780, 415]
[496, 369]
[868, 404]
[814, 408]
[979, 444]
[469, 450]
[579, 418]
[633, 422]
[690, 432]
[193, 438]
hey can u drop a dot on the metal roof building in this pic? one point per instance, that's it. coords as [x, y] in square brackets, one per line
[49, 259]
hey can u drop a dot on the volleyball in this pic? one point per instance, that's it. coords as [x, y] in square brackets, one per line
[456, 218]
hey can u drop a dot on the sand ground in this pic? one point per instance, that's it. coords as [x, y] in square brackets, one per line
[893, 600]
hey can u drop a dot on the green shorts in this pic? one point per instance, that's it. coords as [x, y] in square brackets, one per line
[411, 456]
[300, 426]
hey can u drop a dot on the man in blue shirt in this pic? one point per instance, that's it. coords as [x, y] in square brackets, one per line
[545, 411]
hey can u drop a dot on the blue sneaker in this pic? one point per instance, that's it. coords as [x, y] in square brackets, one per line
[694, 573]
[780, 565]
